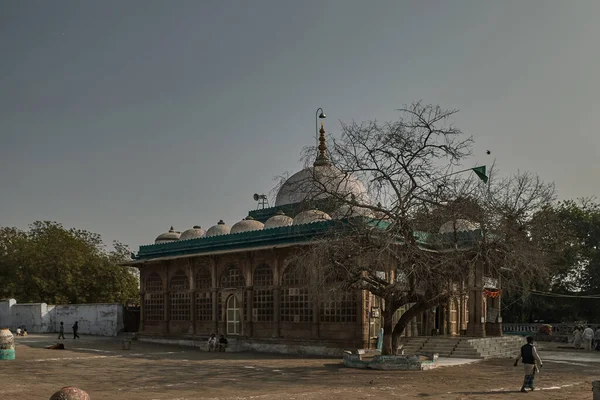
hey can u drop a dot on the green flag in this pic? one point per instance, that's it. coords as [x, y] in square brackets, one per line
[480, 171]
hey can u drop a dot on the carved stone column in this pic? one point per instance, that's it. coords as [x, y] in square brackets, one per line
[215, 295]
[276, 312]
[476, 325]
[141, 327]
[249, 308]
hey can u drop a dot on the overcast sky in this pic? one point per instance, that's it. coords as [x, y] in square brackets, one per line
[127, 117]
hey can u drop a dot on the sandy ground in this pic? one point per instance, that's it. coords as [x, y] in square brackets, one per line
[159, 372]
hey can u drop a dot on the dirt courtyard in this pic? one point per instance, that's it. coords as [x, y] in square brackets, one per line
[159, 372]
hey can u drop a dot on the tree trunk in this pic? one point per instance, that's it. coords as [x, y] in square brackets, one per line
[408, 315]
[388, 327]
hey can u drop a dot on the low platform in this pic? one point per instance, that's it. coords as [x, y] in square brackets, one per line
[374, 360]
[464, 347]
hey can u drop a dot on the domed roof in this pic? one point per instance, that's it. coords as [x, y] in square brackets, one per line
[458, 225]
[193, 233]
[310, 216]
[318, 182]
[277, 220]
[219, 229]
[247, 224]
[166, 237]
[348, 211]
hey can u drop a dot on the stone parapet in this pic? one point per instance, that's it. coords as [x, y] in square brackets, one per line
[414, 362]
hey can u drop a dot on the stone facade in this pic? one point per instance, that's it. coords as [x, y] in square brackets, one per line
[248, 295]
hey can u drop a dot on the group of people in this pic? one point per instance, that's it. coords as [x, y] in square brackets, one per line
[61, 331]
[22, 331]
[215, 344]
[586, 337]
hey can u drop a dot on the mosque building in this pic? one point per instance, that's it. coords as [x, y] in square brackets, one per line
[238, 280]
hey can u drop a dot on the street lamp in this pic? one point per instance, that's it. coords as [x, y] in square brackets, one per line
[317, 117]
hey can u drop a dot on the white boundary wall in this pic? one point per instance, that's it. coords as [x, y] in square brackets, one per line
[103, 319]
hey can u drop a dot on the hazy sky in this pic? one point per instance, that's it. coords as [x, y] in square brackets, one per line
[127, 117]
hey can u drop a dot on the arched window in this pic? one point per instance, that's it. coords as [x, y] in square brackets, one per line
[180, 297]
[203, 279]
[339, 306]
[263, 294]
[154, 283]
[203, 295]
[295, 303]
[232, 277]
[153, 299]
[233, 316]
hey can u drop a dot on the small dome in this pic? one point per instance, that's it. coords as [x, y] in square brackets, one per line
[348, 211]
[277, 220]
[458, 225]
[247, 224]
[167, 237]
[310, 216]
[194, 233]
[219, 229]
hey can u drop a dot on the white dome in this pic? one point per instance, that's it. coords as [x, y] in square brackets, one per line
[278, 220]
[311, 183]
[167, 237]
[310, 216]
[348, 211]
[193, 233]
[247, 224]
[219, 229]
[459, 225]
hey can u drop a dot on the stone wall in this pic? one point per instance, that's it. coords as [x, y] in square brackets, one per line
[5, 312]
[33, 316]
[94, 319]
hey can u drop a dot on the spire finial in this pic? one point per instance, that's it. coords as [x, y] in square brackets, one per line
[322, 158]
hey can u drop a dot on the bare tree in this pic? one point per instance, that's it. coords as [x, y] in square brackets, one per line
[394, 185]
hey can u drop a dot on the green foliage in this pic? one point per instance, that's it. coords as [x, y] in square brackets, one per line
[570, 232]
[51, 264]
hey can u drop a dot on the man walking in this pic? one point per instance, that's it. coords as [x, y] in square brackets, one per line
[75, 329]
[61, 331]
[588, 336]
[530, 357]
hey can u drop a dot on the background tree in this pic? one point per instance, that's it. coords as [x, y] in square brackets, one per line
[51, 264]
[408, 169]
[570, 231]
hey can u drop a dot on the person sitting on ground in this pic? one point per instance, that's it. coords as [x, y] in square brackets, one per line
[222, 343]
[19, 331]
[24, 333]
[212, 342]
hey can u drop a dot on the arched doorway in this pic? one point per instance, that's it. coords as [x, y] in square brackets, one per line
[233, 316]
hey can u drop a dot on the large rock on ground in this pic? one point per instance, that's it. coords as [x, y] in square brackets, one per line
[70, 393]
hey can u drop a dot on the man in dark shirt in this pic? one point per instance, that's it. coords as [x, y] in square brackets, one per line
[530, 357]
[222, 343]
[75, 329]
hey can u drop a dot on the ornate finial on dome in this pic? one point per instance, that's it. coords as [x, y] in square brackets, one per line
[197, 227]
[322, 158]
[220, 222]
[171, 230]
